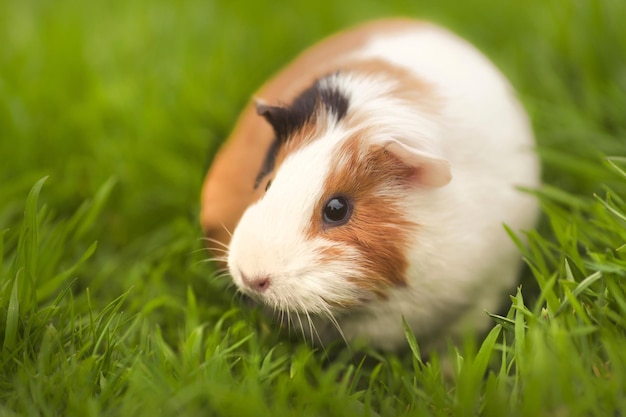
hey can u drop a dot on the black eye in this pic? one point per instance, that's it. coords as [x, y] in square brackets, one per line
[337, 211]
[268, 185]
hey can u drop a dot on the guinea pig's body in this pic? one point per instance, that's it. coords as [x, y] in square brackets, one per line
[384, 193]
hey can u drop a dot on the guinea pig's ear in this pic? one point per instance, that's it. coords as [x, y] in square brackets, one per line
[265, 110]
[275, 116]
[430, 170]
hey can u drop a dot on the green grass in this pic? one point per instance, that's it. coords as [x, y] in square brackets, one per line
[109, 114]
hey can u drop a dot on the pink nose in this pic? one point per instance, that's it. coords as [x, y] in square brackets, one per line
[257, 284]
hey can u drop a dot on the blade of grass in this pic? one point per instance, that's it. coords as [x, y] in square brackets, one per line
[582, 286]
[13, 317]
[612, 161]
[610, 208]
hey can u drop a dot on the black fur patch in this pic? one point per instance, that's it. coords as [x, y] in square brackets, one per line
[268, 162]
[288, 120]
[335, 102]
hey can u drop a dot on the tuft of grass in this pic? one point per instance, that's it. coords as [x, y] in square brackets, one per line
[109, 115]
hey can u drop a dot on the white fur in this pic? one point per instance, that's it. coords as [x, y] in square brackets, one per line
[461, 261]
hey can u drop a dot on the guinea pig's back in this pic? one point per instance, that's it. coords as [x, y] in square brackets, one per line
[474, 102]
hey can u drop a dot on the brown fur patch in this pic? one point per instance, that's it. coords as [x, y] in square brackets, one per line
[372, 179]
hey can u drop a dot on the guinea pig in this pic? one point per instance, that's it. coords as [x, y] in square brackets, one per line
[393, 163]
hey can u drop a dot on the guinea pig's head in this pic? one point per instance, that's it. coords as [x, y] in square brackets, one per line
[334, 227]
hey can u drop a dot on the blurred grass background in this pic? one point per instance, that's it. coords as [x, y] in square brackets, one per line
[121, 104]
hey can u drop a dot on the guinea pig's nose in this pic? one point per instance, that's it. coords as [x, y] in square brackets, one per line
[257, 284]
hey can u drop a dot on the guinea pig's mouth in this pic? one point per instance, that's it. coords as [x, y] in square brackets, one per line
[323, 307]
[299, 300]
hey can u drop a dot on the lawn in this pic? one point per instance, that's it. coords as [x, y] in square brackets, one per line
[110, 112]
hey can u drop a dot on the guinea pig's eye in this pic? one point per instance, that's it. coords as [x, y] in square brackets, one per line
[337, 211]
[268, 185]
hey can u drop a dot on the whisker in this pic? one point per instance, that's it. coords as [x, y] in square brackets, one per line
[226, 229]
[208, 249]
[316, 334]
[220, 277]
[301, 326]
[229, 287]
[215, 241]
[281, 317]
[212, 249]
[284, 310]
[289, 322]
[223, 271]
[308, 317]
[241, 297]
[303, 312]
[219, 258]
[331, 317]
[212, 259]
[218, 271]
